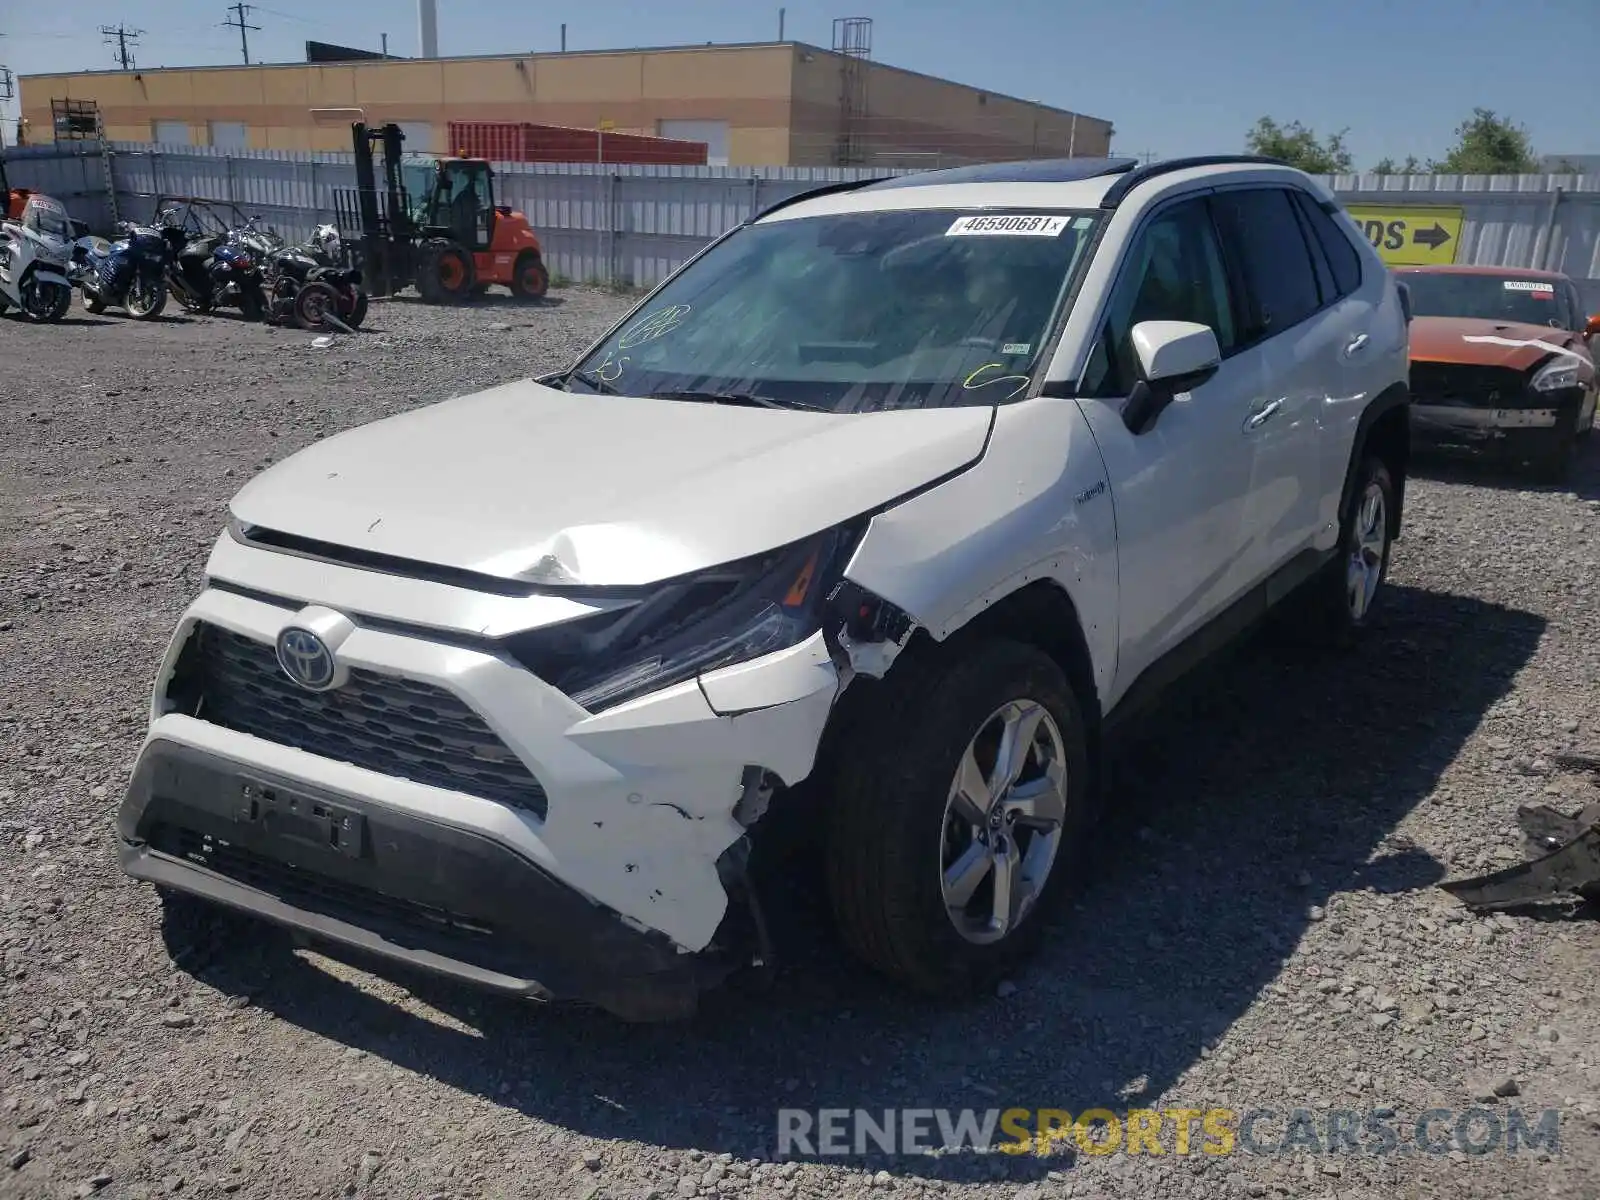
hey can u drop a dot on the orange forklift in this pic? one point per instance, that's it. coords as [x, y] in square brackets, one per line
[434, 225]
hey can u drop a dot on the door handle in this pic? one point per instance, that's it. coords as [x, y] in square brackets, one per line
[1263, 414]
[1356, 343]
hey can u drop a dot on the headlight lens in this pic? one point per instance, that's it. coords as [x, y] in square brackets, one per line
[1555, 376]
[688, 627]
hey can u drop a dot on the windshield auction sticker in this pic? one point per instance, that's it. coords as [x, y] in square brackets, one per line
[1009, 225]
[1528, 285]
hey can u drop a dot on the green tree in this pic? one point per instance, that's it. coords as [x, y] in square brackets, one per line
[1387, 166]
[1300, 147]
[1487, 144]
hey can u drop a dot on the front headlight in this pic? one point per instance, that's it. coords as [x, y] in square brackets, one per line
[1555, 376]
[687, 627]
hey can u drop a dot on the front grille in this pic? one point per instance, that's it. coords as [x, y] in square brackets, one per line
[310, 891]
[398, 726]
[1465, 383]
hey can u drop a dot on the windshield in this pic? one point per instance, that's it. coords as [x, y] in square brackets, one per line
[1491, 297]
[856, 312]
[51, 222]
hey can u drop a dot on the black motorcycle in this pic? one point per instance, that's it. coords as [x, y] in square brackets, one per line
[305, 282]
[215, 270]
[129, 273]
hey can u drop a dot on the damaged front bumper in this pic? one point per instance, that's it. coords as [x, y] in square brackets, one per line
[605, 879]
[1530, 415]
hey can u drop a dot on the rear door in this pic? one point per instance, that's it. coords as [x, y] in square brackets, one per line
[1312, 337]
[1181, 489]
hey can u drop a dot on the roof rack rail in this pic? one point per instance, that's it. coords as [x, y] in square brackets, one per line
[1119, 190]
[827, 189]
[1027, 170]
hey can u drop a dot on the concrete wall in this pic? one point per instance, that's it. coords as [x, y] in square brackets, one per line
[914, 120]
[780, 102]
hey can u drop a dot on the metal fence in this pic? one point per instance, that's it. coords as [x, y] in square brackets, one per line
[632, 225]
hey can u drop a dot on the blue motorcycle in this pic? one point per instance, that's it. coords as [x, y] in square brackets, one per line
[129, 273]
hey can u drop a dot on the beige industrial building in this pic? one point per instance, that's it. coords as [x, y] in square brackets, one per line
[774, 103]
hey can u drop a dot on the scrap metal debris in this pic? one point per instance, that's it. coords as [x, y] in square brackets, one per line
[1563, 856]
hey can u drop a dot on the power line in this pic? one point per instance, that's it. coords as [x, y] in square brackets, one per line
[124, 39]
[240, 11]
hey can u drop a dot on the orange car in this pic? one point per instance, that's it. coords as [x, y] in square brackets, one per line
[1501, 357]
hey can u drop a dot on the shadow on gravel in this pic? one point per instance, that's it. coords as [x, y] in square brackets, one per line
[1485, 469]
[1274, 783]
[489, 300]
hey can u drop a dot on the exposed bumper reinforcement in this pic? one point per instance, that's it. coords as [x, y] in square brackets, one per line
[392, 884]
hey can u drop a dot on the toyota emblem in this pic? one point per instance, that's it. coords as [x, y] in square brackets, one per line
[306, 659]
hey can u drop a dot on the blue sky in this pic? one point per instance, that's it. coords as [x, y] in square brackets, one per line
[1175, 76]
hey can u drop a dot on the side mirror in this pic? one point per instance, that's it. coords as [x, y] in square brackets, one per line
[1592, 329]
[1174, 357]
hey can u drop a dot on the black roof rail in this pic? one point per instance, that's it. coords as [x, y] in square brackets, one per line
[1027, 170]
[827, 189]
[1119, 190]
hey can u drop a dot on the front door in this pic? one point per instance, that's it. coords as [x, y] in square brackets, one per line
[1182, 489]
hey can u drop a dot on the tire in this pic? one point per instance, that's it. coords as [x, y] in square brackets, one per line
[52, 305]
[358, 309]
[93, 304]
[895, 829]
[1347, 590]
[251, 305]
[1551, 461]
[156, 301]
[530, 280]
[311, 302]
[445, 275]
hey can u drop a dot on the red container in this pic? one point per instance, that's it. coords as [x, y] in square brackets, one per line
[520, 141]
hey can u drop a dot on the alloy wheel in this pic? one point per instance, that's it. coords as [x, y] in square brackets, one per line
[1003, 822]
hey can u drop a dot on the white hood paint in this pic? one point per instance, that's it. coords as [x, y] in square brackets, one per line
[527, 481]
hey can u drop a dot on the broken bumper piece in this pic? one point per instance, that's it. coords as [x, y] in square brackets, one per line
[395, 885]
[1564, 862]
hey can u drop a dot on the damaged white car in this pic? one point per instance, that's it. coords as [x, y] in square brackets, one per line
[897, 498]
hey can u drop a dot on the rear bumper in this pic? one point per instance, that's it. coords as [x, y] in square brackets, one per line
[393, 884]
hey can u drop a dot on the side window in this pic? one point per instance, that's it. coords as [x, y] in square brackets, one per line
[1263, 234]
[1173, 272]
[1343, 258]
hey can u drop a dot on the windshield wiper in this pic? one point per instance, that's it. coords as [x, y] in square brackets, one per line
[744, 399]
[592, 381]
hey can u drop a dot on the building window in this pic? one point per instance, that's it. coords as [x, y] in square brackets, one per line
[233, 135]
[170, 133]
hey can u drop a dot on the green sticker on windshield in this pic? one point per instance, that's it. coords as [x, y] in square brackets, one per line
[1016, 347]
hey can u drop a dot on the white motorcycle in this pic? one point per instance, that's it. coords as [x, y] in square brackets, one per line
[34, 256]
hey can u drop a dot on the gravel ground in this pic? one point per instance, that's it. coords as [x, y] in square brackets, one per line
[1265, 935]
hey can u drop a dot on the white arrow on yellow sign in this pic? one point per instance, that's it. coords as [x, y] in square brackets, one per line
[1410, 237]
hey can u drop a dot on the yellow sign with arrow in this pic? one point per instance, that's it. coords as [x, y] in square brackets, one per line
[1410, 237]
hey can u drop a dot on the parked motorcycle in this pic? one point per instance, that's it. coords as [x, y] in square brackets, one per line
[34, 253]
[207, 271]
[130, 273]
[306, 281]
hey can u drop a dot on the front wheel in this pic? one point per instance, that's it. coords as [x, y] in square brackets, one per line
[960, 812]
[46, 303]
[530, 280]
[353, 307]
[148, 299]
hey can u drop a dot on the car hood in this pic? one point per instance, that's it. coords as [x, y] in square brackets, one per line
[530, 482]
[1486, 343]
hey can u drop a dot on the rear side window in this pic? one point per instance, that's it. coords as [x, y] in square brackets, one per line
[1343, 258]
[1263, 234]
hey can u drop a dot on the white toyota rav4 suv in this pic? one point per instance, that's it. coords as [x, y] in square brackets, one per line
[906, 491]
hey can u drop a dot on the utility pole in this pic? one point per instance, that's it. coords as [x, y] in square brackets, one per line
[124, 39]
[240, 11]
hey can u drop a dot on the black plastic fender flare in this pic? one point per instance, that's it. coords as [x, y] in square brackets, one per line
[1396, 395]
